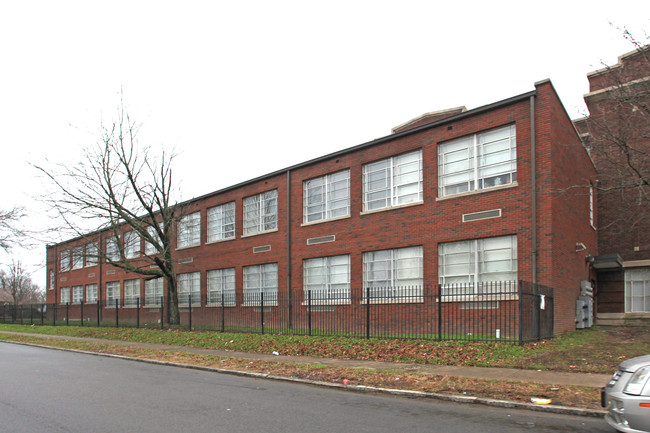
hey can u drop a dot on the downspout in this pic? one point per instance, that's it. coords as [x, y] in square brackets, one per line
[289, 248]
[533, 183]
[99, 280]
[56, 273]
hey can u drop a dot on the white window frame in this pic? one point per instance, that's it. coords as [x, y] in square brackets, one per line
[77, 294]
[327, 279]
[474, 267]
[65, 261]
[153, 291]
[77, 257]
[149, 248]
[131, 245]
[392, 182]
[189, 230]
[112, 249]
[258, 279]
[221, 222]
[261, 213]
[91, 293]
[221, 281]
[394, 275]
[189, 284]
[65, 295]
[92, 254]
[52, 280]
[131, 292]
[637, 290]
[326, 197]
[112, 293]
[478, 162]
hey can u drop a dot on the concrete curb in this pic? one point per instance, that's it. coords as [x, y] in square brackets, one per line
[354, 388]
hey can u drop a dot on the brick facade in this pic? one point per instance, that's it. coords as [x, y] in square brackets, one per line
[616, 100]
[562, 170]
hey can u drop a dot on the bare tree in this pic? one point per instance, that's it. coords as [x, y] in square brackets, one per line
[10, 230]
[18, 284]
[617, 135]
[120, 187]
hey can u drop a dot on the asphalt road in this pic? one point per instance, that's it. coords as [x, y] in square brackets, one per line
[44, 390]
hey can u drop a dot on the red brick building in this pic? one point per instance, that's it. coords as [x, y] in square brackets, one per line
[496, 193]
[617, 132]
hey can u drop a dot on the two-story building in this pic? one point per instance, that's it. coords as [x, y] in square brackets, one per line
[495, 194]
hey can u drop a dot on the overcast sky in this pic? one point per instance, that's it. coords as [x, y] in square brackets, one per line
[243, 88]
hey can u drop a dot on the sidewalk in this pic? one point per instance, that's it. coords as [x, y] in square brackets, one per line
[508, 374]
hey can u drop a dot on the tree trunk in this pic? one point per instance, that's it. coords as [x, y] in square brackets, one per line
[173, 315]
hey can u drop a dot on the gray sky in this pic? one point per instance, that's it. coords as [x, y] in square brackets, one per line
[241, 89]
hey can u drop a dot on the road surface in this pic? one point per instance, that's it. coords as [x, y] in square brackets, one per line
[43, 390]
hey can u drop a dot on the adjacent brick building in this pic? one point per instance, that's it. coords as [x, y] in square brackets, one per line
[617, 132]
[496, 193]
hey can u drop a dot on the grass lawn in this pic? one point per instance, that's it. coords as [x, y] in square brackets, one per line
[596, 350]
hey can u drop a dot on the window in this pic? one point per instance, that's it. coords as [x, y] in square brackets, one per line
[65, 260]
[131, 292]
[637, 290]
[327, 279]
[258, 280]
[52, 282]
[150, 248]
[477, 162]
[392, 182]
[153, 291]
[261, 212]
[221, 222]
[189, 285]
[77, 257]
[393, 274]
[478, 266]
[112, 249]
[221, 281]
[91, 293]
[131, 245]
[189, 230]
[65, 295]
[326, 197]
[77, 294]
[112, 293]
[92, 254]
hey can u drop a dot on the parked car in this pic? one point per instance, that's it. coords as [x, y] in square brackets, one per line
[627, 396]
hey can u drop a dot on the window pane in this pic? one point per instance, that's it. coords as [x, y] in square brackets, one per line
[496, 159]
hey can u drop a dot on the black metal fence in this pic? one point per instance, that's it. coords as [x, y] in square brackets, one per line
[506, 311]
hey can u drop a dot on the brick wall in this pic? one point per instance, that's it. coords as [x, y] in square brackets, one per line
[561, 214]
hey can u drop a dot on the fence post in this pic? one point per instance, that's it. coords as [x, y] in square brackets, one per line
[368, 312]
[54, 314]
[189, 304]
[31, 314]
[521, 313]
[538, 306]
[67, 314]
[162, 308]
[117, 318]
[223, 312]
[262, 309]
[439, 298]
[20, 312]
[42, 314]
[137, 312]
[309, 310]
[81, 312]
[99, 306]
